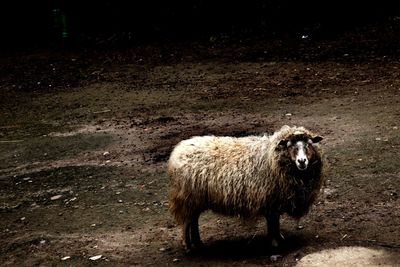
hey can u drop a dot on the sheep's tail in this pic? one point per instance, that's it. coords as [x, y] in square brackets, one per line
[177, 206]
[181, 202]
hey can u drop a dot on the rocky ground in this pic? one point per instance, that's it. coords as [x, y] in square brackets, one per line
[85, 135]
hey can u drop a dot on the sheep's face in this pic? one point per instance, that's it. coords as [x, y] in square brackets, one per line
[300, 149]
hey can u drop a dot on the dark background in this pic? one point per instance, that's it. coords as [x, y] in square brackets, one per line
[32, 23]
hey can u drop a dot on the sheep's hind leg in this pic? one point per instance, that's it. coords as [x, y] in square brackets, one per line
[186, 235]
[274, 233]
[194, 231]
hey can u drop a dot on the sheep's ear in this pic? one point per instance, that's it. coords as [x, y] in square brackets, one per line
[316, 139]
[284, 143]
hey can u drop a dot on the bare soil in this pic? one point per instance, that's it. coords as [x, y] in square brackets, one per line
[85, 135]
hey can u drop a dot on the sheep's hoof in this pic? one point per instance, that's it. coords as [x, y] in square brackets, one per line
[194, 247]
[188, 247]
[276, 241]
[198, 245]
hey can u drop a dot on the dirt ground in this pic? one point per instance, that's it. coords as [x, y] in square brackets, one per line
[85, 135]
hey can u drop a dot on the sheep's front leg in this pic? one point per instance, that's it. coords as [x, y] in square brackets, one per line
[274, 233]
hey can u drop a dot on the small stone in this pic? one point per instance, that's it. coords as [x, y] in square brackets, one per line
[274, 258]
[106, 153]
[95, 258]
[299, 227]
[65, 258]
[162, 249]
[329, 192]
[288, 114]
[175, 260]
[378, 139]
[23, 219]
[120, 201]
[56, 197]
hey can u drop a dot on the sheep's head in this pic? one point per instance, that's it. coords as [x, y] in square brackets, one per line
[300, 148]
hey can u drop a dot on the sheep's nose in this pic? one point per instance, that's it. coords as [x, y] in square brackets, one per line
[301, 161]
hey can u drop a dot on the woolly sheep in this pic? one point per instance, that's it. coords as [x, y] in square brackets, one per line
[247, 177]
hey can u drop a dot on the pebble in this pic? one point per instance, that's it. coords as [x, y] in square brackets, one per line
[95, 258]
[275, 257]
[65, 258]
[56, 197]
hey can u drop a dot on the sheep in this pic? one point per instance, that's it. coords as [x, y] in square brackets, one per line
[247, 177]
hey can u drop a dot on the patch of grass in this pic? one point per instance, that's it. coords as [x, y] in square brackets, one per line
[41, 185]
[366, 169]
[369, 155]
[103, 195]
[46, 148]
[12, 131]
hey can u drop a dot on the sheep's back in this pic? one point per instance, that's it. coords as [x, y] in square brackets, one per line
[221, 173]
